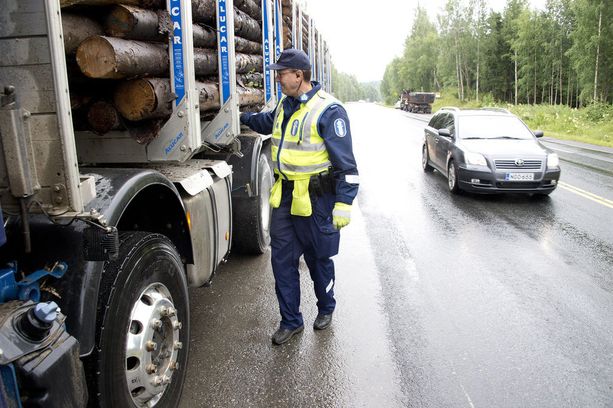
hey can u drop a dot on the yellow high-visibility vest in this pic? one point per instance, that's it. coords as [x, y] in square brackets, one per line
[300, 151]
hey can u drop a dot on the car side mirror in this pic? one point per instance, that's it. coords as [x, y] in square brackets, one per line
[538, 133]
[444, 132]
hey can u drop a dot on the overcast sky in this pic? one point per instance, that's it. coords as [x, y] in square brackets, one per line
[365, 35]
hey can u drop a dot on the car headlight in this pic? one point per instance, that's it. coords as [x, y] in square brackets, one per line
[476, 159]
[553, 161]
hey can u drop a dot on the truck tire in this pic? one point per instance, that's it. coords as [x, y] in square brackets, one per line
[142, 334]
[251, 216]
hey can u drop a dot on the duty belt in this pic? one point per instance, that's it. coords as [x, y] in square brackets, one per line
[319, 184]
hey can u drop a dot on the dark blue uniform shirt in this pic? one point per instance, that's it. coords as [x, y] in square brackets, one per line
[339, 147]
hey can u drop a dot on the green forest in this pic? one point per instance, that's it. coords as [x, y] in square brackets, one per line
[347, 88]
[558, 56]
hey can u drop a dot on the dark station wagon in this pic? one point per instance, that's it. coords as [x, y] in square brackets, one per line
[488, 150]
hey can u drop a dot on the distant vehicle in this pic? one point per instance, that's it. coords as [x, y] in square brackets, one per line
[417, 102]
[488, 150]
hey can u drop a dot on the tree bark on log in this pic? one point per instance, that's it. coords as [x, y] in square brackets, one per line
[140, 24]
[208, 96]
[246, 27]
[204, 37]
[249, 63]
[286, 11]
[76, 29]
[102, 117]
[206, 62]
[247, 46]
[203, 11]
[145, 98]
[149, 4]
[251, 80]
[115, 58]
[250, 96]
[251, 7]
[136, 23]
[145, 131]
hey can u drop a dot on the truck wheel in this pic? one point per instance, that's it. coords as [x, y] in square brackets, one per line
[142, 326]
[251, 216]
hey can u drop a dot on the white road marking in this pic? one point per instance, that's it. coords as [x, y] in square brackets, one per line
[470, 402]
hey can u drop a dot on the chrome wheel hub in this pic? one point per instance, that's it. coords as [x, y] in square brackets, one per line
[265, 203]
[451, 176]
[152, 345]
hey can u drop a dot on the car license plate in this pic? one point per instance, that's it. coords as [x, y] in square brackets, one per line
[519, 177]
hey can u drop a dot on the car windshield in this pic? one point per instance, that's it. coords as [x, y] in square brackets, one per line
[492, 127]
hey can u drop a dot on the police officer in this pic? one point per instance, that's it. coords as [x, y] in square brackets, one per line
[316, 182]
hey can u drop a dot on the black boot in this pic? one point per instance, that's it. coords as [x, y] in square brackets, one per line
[283, 335]
[323, 321]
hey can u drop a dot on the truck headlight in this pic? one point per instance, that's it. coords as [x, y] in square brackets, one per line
[553, 161]
[476, 159]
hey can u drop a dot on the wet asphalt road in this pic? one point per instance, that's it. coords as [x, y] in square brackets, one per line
[443, 301]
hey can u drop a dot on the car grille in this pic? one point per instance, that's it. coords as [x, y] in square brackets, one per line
[517, 184]
[510, 164]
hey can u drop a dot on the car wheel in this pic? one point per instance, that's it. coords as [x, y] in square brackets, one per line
[142, 335]
[452, 178]
[424, 160]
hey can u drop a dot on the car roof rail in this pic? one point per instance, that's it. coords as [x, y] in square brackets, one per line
[453, 108]
[496, 109]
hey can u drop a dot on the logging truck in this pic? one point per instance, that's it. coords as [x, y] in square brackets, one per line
[125, 178]
[417, 102]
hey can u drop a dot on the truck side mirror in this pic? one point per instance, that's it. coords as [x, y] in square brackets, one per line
[538, 133]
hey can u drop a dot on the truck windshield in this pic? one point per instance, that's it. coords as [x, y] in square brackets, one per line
[492, 127]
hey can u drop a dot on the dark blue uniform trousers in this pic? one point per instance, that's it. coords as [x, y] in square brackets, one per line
[316, 239]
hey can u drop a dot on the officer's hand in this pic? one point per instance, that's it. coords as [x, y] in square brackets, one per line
[243, 117]
[341, 215]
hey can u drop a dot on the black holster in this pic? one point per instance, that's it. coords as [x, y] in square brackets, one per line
[322, 183]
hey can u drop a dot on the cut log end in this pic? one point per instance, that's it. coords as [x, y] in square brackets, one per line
[135, 99]
[102, 117]
[96, 58]
[120, 21]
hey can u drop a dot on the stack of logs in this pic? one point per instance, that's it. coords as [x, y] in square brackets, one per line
[286, 11]
[287, 17]
[119, 67]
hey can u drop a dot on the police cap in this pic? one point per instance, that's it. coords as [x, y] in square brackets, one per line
[292, 59]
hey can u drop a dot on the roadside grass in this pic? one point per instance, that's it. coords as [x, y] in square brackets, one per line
[592, 124]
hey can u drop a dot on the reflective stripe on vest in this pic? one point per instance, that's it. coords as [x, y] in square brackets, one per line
[301, 150]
